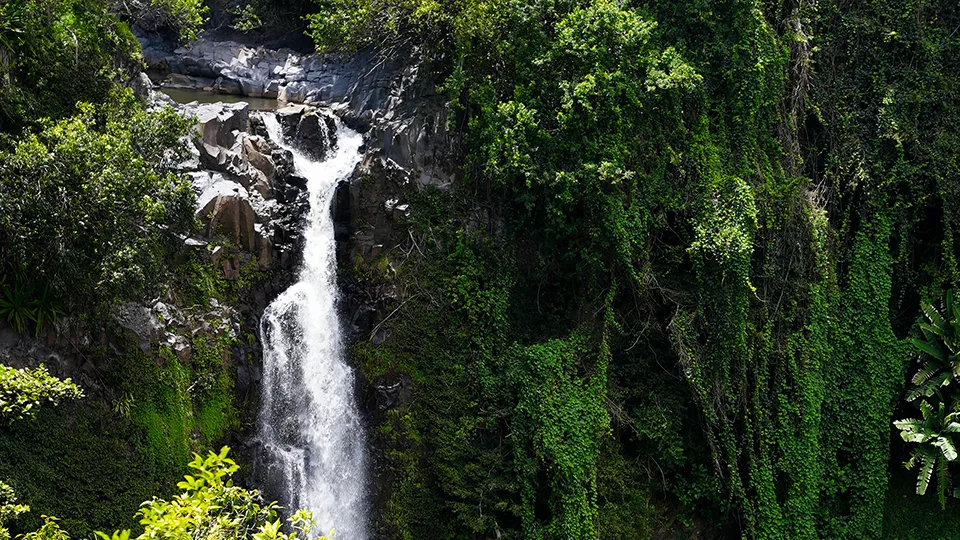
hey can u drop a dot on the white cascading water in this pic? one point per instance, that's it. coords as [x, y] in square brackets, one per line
[310, 426]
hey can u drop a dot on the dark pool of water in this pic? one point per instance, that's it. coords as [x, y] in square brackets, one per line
[187, 96]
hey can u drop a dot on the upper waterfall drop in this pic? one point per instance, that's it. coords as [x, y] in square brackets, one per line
[313, 445]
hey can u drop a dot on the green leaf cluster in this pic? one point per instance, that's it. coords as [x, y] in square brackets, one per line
[23, 390]
[734, 207]
[55, 53]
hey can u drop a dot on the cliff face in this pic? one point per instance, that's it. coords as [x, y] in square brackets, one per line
[385, 96]
[382, 94]
[408, 153]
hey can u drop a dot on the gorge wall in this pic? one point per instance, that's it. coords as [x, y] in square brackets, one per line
[407, 150]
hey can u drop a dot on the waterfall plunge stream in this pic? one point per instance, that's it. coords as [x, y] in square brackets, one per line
[310, 428]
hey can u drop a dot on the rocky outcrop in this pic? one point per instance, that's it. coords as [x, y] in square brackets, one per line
[385, 96]
[141, 323]
[246, 192]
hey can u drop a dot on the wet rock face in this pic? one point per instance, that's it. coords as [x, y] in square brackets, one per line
[217, 123]
[313, 131]
[141, 323]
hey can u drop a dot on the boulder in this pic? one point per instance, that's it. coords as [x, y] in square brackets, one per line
[141, 323]
[289, 118]
[225, 210]
[240, 167]
[263, 246]
[169, 315]
[316, 134]
[294, 92]
[296, 181]
[218, 186]
[181, 347]
[226, 85]
[252, 88]
[283, 160]
[142, 87]
[214, 156]
[272, 89]
[257, 153]
[186, 82]
[232, 217]
[217, 122]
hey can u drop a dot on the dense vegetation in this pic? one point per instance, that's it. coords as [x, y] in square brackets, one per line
[93, 216]
[674, 289]
[693, 280]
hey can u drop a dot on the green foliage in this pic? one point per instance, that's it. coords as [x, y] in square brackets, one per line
[184, 17]
[78, 462]
[94, 464]
[55, 53]
[935, 378]
[904, 506]
[938, 351]
[196, 280]
[24, 306]
[245, 18]
[559, 422]
[767, 188]
[90, 207]
[211, 506]
[8, 509]
[22, 391]
[176, 407]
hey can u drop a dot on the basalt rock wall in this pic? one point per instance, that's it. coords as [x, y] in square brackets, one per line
[385, 95]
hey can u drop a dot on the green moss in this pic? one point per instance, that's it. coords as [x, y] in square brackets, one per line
[163, 413]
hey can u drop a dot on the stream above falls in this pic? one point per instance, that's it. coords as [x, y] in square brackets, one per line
[201, 96]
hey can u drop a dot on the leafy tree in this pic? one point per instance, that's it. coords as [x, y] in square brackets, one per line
[90, 207]
[183, 17]
[338, 25]
[9, 508]
[21, 392]
[54, 53]
[212, 507]
[934, 435]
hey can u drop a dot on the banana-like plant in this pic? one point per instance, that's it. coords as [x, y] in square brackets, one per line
[939, 350]
[934, 435]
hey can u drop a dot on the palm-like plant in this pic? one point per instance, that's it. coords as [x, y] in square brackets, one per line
[23, 306]
[934, 435]
[12, 23]
[939, 358]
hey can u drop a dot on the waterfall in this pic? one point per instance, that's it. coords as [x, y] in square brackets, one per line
[312, 440]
